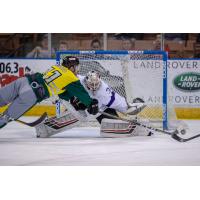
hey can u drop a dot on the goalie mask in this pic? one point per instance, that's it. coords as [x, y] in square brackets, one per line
[92, 80]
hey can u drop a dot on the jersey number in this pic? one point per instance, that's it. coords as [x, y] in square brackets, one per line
[55, 75]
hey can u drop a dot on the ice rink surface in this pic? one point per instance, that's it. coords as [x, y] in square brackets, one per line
[84, 147]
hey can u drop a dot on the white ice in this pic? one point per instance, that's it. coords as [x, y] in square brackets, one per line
[84, 146]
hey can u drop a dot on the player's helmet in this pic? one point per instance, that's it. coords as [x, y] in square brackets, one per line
[92, 80]
[70, 61]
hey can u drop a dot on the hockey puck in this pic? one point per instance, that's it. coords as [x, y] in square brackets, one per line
[183, 131]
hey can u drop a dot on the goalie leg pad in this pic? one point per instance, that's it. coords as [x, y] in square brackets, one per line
[116, 128]
[56, 125]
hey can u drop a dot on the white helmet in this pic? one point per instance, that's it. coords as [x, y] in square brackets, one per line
[92, 80]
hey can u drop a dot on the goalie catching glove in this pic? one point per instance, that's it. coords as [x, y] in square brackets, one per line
[92, 109]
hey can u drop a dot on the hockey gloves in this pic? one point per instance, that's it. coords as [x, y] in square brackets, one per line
[76, 103]
[93, 108]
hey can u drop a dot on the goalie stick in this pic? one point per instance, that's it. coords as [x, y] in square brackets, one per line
[137, 100]
[34, 123]
[140, 124]
[173, 134]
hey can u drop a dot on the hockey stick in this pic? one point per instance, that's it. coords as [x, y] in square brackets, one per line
[173, 134]
[34, 123]
[176, 137]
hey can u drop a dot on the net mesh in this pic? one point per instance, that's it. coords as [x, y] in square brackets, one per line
[132, 76]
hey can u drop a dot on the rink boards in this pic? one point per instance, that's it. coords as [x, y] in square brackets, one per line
[183, 83]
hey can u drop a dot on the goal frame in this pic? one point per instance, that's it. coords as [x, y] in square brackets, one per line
[124, 52]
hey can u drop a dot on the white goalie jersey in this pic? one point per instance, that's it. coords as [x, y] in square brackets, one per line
[107, 98]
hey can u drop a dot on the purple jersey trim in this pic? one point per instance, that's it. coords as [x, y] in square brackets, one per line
[112, 99]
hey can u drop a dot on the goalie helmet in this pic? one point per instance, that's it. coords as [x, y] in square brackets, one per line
[93, 80]
[70, 61]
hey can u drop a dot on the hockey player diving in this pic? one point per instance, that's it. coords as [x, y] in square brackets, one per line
[61, 81]
[108, 101]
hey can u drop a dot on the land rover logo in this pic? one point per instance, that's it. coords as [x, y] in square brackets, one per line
[189, 81]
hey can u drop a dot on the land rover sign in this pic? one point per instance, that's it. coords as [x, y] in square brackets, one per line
[189, 82]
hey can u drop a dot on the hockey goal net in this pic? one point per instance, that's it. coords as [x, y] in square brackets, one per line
[132, 74]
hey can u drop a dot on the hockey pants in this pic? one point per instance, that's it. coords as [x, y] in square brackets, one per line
[20, 97]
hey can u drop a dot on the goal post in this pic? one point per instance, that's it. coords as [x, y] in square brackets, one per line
[132, 74]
